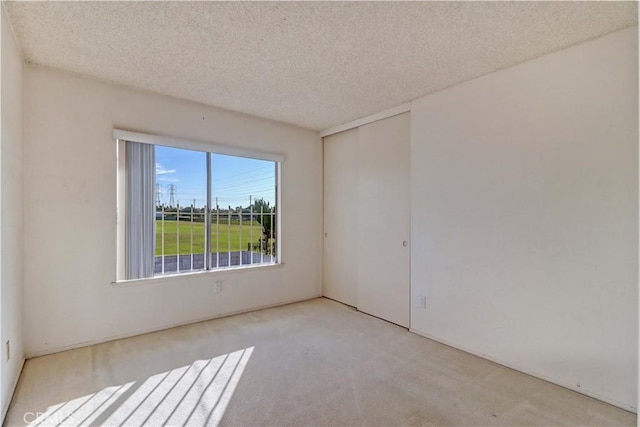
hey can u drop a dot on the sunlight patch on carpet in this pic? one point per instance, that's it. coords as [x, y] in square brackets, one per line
[193, 395]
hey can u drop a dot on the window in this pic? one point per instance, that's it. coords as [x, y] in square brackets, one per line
[190, 210]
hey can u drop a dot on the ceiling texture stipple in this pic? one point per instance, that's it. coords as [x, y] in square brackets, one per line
[311, 64]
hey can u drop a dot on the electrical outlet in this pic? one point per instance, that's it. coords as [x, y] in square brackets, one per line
[217, 287]
[423, 301]
[8, 350]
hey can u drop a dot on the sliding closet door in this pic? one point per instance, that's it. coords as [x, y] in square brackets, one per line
[340, 270]
[383, 219]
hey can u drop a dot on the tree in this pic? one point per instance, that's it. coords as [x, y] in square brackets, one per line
[266, 220]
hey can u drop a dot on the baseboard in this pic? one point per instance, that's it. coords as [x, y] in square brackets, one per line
[340, 302]
[7, 404]
[571, 387]
[161, 328]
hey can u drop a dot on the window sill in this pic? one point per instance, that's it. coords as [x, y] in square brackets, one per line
[193, 274]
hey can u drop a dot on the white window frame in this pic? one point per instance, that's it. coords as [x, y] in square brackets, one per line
[121, 136]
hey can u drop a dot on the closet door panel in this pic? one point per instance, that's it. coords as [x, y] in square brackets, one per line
[340, 270]
[384, 219]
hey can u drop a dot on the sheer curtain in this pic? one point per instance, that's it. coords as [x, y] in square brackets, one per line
[140, 210]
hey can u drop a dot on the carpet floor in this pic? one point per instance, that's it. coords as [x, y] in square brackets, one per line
[314, 363]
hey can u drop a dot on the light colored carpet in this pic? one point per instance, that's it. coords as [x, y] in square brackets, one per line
[312, 363]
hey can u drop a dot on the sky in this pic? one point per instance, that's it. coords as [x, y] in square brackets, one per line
[234, 179]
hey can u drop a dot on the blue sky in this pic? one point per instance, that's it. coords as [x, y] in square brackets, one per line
[234, 179]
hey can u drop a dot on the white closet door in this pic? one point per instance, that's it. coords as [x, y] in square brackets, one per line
[340, 271]
[383, 219]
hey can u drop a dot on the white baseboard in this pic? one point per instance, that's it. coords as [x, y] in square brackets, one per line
[571, 387]
[7, 403]
[160, 328]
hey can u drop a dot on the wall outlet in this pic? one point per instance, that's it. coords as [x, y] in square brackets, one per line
[8, 350]
[422, 301]
[217, 287]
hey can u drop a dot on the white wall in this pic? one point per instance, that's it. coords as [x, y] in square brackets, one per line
[525, 216]
[70, 215]
[11, 265]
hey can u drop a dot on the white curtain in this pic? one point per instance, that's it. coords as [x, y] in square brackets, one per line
[140, 210]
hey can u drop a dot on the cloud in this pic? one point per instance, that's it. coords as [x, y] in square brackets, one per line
[160, 170]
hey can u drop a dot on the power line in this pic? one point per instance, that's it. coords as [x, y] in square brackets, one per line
[266, 180]
[256, 183]
[246, 172]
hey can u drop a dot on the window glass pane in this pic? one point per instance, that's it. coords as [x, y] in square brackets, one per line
[181, 197]
[243, 195]
[237, 221]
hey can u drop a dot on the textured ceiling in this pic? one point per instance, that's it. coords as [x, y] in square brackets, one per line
[311, 64]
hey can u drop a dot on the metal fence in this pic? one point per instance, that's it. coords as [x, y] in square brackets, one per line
[231, 237]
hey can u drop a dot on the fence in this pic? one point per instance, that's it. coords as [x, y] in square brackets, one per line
[231, 237]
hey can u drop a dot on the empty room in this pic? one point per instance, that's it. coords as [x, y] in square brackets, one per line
[319, 213]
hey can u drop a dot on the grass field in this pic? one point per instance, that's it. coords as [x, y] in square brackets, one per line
[226, 234]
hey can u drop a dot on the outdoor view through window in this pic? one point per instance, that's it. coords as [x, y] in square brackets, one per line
[239, 228]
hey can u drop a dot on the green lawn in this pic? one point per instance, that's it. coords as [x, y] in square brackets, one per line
[226, 234]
